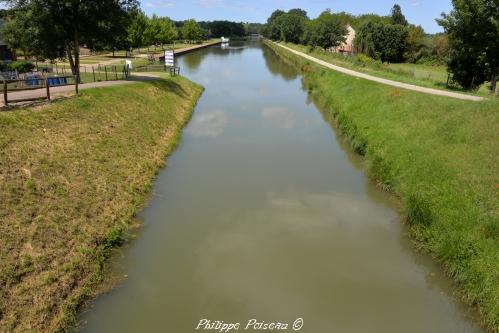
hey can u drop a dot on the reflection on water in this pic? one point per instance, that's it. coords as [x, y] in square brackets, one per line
[210, 124]
[263, 212]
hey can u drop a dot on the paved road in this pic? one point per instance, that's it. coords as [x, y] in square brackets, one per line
[385, 81]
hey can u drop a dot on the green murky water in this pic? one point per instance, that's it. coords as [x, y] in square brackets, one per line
[264, 213]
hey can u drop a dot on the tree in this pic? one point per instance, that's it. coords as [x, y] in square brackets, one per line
[272, 30]
[325, 31]
[291, 25]
[397, 17]
[63, 26]
[192, 31]
[416, 46]
[473, 31]
[18, 34]
[160, 31]
[137, 28]
[224, 28]
[382, 42]
[299, 12]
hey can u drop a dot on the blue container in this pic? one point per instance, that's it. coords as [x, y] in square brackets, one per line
[32, 81]
[54, 81]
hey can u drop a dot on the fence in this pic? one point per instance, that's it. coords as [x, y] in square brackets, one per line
[158, 67]
[88, 73]
[35, 83]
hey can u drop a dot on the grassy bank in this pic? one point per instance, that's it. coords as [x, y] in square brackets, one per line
[422, 75]
[72, 176]
[440, 156]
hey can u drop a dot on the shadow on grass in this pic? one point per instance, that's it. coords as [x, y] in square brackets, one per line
[167, 85]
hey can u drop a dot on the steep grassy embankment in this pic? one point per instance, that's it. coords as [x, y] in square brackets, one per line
[440, 156]
[72, 175]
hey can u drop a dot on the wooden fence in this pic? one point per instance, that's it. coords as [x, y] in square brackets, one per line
[31, 84]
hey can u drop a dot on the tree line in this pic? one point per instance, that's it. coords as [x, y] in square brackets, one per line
[52, 29]
[469, 47]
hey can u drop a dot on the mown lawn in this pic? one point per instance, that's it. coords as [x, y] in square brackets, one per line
[422, 75]
[72, 176]
[440, 156]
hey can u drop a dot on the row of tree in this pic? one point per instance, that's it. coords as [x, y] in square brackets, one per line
[469, 46]
[51, 29]
[386, 38]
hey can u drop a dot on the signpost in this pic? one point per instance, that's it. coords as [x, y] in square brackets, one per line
[170, 58]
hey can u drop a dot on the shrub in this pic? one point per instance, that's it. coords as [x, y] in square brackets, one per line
[22, 66]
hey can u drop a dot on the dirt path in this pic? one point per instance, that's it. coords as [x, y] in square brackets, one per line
[385, 81]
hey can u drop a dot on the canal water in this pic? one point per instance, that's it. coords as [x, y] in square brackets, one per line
[264, 213]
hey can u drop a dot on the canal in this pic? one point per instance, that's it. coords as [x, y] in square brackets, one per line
[264, 213]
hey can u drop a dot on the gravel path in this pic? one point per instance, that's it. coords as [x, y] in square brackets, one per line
[385, 81]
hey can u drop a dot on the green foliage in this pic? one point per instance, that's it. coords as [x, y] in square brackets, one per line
[382, 42]
[396, 16]
[291, 26]
[326, 31]
[219, 29]
[21, 66]
[473, 30]
[160, 31]
[137, 29]
[56, 28]
[272, 30]
[192, 31]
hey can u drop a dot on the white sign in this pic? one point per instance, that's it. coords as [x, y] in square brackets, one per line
[169, 58]
[128, 63]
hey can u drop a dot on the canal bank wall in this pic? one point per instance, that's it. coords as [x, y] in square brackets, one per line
[196, 48]
[409, 142]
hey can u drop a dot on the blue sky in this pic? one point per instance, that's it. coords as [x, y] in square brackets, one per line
[421, 12]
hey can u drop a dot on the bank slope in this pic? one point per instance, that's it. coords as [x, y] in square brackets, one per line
[440, 156]
[72, 175]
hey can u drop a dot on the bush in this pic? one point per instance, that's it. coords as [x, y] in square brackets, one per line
[365, 60]
[22, 66]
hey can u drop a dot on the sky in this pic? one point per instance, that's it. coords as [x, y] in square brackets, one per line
[419, 12]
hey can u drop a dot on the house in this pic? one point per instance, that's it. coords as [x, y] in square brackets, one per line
[347, 46]
[5, 52]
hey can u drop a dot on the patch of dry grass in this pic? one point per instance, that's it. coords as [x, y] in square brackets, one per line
[72, 176]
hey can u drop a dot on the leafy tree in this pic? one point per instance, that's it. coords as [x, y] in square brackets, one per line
[416, 46]
[61, 27]
[325, 31]
[299, 12]
[137, 28]
[397, 17]
[382, 42]
[192, 31]
[473, 30]
[291, 26]
[160, 31]
[19, 34]
[272, 30]
[224, 28]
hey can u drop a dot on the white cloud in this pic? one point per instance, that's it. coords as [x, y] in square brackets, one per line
[161, 3]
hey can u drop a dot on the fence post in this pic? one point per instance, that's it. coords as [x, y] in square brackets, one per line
[48, 87]
[5, 99]
[93, 72]
[105, 70]
[56, 69]
[115, 73]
